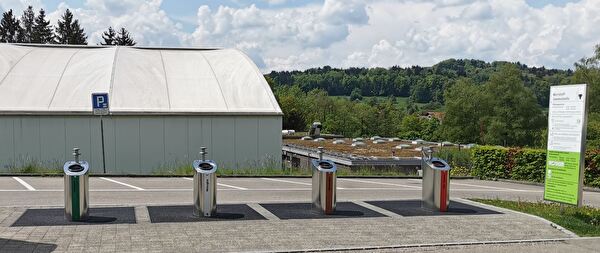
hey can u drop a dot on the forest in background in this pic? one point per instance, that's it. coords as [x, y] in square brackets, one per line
[498, 103]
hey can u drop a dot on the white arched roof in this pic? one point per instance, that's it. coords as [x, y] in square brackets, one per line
[38, 79]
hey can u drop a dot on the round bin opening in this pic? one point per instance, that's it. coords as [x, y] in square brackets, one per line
[438, 164]
[325, 165]
[206, 166]
[75, 168]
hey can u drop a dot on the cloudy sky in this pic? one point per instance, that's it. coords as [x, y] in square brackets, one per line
[299, 34]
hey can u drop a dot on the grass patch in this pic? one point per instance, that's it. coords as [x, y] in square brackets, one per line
[583, 221]
[31, 166]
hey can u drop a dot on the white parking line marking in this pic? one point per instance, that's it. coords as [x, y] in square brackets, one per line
[490, 187]
[121, 183]
[226, 185]
[262, 211]
[234, 187]
[381, 183]
[284, 181]
[377, 209]
[28, 186]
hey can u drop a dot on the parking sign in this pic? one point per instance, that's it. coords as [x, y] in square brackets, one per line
[100, 103]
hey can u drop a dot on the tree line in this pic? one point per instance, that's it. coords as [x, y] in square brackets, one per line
[496, 103]
[421, 84]
[32, 28]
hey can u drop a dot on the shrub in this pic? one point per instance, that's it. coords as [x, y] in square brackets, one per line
[529, 165]
[524, 164]
[592, 168]
[489, 162]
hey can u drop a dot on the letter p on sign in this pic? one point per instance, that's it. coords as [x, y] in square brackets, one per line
[100, 103]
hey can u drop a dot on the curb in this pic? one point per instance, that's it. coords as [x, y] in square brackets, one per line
[427, 245]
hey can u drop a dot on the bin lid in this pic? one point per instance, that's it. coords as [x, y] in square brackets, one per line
[438, 164]
[324, 165]
[72, 168]
[204, 166]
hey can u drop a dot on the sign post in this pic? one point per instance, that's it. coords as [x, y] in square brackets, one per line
[565, 159]
[100, 107]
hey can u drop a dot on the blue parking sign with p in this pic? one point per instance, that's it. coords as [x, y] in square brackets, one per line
[100, 103]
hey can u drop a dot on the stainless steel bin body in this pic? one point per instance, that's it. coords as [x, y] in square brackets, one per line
[324, 185]
[76, 190]
[436, 184]
[205, 188]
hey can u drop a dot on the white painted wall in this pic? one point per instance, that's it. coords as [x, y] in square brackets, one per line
[141, 144]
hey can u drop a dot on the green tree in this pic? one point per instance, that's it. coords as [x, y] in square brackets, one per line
[411, 127]
[9, 28]
[465, 108]
[109, 37]
[513, 117]
[587, 70]
[27, 23]
[42, 30]
[124, 38]
[68, 31]
[355, 95]
[411, 107]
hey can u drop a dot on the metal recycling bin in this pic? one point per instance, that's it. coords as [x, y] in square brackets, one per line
[436, 182]
[205, 186]
[324, 184]
[76, 188]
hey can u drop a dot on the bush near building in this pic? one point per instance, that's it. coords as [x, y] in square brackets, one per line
[524, 164]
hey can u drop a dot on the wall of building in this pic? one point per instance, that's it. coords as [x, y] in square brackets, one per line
[140, 144]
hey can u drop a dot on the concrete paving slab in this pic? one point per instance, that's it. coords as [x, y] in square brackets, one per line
[306, 211]
[283, 235]
[56, 217]
[231, 212]
[414, 208]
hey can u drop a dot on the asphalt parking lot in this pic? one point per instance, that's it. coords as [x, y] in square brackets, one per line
[48, 191]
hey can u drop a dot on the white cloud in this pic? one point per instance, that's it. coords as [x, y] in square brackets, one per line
[370, 33]
[148, 24]
[19, 5]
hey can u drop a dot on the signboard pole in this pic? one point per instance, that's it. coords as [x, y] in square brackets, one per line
[102, 140]
[100, 107]
[565, 159]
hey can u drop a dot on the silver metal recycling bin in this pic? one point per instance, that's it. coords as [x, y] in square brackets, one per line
[76, 188]
[323, 184]
[436, 182]
[205, 186]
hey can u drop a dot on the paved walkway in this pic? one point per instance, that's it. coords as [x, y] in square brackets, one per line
[271, 235]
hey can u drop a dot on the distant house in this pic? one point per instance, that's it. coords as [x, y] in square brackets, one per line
[433, 115]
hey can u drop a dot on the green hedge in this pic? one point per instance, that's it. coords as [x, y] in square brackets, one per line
[489, 162]
[524, 164]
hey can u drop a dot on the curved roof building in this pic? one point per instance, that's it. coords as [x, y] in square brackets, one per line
[138, 80]
[164, 104]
